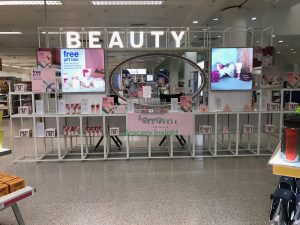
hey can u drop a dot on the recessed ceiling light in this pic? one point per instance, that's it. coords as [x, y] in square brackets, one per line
[11, 32]
[292, 49]
[195, 36]
[215, 19]
[127, 2]
[26, 68]
[253, 18]
[294, 52]
[273, 35]
[286, 45]
[278, 52]
[9, 3]
[195, 21]
[219, 36]
[280, 41]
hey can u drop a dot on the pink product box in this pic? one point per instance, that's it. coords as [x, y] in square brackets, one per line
[78, 108]
[20, 87]
[24, 110]
[50, 132]
[225, 130]
[269, 128]
[290, 106]
[73, 108]
[205, 129]
[87, 131]
[25, 133]
[76, 131]
[247, 129]
[273, 107]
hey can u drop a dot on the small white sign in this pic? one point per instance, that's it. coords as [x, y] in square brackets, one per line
[85, 107]
[174, 104]
[61, 106]
[114, 131]
[130, 106]
[39, 107]
[40, 129]
[146, 91]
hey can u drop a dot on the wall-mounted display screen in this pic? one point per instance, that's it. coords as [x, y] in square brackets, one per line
[231, 69]
[82, 70]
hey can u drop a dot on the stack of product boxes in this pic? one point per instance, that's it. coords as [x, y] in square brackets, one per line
[10, 183]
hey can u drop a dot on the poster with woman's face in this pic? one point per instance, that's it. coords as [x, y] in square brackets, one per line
[48, 58]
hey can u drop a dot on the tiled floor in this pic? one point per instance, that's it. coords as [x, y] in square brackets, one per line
[233, 191]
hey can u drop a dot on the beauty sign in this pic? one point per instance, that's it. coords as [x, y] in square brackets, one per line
[170, 124]
[132, 39]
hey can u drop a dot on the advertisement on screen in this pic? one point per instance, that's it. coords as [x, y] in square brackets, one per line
[231, 69]
[82, 70]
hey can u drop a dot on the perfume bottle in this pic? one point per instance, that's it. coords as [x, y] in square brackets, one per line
[290, 146]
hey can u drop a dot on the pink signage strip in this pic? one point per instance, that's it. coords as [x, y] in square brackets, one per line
[169, 124]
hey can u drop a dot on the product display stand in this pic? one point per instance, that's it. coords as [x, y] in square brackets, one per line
[83, 147]
[12, 199]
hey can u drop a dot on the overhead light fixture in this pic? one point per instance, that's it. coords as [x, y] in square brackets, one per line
[273, 35]
[5, 65]
[127, 2]
[253, 18]
[11, 32]
[294, 52]
[195, 21]
[286, 45]
[292, 49]
[280, 41]
[18, 67]
[215, 19]
[26, 68]
[52, 32]
[219, 36]
[195, 36]
[278, 52]
[11, 3]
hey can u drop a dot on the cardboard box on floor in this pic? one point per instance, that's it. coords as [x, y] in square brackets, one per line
[10, 183]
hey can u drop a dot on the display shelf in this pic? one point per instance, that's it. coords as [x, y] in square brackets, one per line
[21, 116]
[281, 167]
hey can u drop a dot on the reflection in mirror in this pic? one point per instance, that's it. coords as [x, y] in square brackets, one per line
[159, 77]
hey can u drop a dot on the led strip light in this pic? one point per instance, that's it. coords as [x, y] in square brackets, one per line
[120, 3]
[12, 3]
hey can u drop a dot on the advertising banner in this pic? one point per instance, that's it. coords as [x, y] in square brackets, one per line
[82, 70]
[43, 80]
[169, 124]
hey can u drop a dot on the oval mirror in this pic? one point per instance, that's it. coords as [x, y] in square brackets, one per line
[165, 75]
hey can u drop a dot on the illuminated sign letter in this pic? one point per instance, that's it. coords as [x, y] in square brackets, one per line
[132, 42]
[177, 38]
[93, 39]
[73, 39]
[115, 40]
[157, 34]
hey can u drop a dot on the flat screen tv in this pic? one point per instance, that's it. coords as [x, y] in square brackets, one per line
[231, 69]
[82, 70]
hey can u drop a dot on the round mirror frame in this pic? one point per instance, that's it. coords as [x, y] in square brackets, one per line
[203, 83]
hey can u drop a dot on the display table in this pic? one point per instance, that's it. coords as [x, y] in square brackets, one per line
[4, 151]
[283, 168]
[12, 199]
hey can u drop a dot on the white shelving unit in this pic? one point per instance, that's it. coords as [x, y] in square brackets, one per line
[4, 105]
[81, 147]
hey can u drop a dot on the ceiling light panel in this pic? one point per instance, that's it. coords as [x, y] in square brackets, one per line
[11, 32]
[120, 3]
[22, 3]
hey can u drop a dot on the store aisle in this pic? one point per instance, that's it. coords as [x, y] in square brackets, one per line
[232, 191]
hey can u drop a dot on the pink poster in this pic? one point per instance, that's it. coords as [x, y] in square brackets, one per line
[170, 124]
[82, 70]
[43, 80]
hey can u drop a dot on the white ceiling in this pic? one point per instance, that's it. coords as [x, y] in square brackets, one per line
[20, 49]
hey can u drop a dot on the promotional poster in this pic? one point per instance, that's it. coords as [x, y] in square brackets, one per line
[231, 69]
[82, 70]
[48, 58]
[43, 80]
